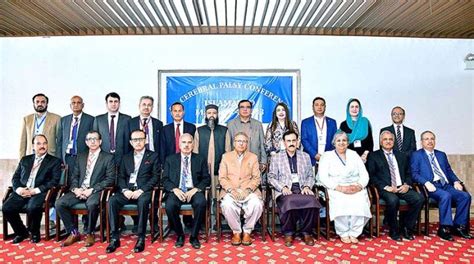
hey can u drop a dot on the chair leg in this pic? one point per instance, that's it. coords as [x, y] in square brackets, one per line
[152, 223]
[273, 224]
[427, 219]
[264, 226]
[328, 223]
[107, 224]
[318, 225]
[160, 219]
[218, 223]
[58, 227]
[46, 224]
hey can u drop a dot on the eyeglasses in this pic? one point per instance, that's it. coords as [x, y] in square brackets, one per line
[240, 141]
[136, 140]
[92, 139]
[245, 107]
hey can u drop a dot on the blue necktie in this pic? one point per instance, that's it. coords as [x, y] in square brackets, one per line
[184, 174]
[436, 169]
[74, 136]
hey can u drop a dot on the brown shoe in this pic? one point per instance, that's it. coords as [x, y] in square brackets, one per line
[90, 240]
[71, 239]
[289, 241]
[308, 240]
[246, 239]
[236, 239]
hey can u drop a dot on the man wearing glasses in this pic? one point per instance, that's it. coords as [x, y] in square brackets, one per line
[239, 176]
[404, 136]
[93, 171]
[139, 173]
[251, 127]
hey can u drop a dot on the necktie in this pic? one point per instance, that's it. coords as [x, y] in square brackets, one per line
[145, 128]
[34, 171]
[75, 126]
[90, 160]
[436, 169]
[176, 139]
[393, 176]
[112, 133]
[184, 175]
[399, 138]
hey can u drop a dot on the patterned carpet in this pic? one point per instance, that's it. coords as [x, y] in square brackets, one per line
[425, 249]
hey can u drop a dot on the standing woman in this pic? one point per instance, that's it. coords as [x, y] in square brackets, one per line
[358, 129]
[344, 175]
[280, 124]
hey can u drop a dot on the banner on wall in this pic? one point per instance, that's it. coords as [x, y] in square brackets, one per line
[225, 91]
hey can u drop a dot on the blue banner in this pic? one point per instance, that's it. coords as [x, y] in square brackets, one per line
[195, 92]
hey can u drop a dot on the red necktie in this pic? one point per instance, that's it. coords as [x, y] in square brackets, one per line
[176, 139]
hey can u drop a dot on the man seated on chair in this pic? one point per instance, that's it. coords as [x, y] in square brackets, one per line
[389, 171]
[93, 172]
[292, 176]
[34, 176]
[139, 173]
[239, 176]
[431, 168]
[185, 178]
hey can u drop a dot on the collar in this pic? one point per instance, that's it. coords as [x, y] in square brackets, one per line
[94, 152]
[395, 125]
[428, 152]
[181, 123]
[109, 115]
[78, 116]
[183, 156]
[319, 118]
[43, 116]
[40, 157]
[140, 153]
[245, 122]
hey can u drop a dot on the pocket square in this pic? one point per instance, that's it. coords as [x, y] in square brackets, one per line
[147, 162]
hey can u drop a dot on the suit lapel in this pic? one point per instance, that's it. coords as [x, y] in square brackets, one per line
[43, 165]
[67, 128]
[428, 163]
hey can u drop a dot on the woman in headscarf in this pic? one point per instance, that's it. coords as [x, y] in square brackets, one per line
[281, 123]
[358, 129]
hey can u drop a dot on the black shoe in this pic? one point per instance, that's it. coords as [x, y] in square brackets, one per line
[179, 241]
[18, 239]
[114, 244]
[461, 231]
[194, 242]
[35, 238]
[407, 234]
[394, 235]
[443, 233]
[140, 245]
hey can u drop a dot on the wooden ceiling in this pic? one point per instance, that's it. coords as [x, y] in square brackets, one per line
[391, 18]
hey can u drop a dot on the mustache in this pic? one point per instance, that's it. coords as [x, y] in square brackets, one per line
[291, 146]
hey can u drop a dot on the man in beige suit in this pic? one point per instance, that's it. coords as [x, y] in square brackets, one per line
[239, 176]
[40, 122]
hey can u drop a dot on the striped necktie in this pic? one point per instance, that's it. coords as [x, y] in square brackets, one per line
[436, 169]
[399, 138]
[391, 165]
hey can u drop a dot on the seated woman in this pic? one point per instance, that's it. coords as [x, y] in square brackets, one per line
[280, 124]
[358, 129]
[343, 173]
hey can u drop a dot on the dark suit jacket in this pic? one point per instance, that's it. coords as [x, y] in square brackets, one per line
[168, 143]
[379, 170]
[148, 175]
[48, 174]
[134, 124]
[172, 172]
[101, 124]
[409, 141]
[65, 130]
[421, 167]
[102, 176]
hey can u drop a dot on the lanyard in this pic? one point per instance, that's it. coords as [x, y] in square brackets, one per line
[41, 123]
[343, 163]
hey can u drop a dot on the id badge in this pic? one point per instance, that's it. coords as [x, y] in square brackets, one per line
[133, 178]
[294, 177]
[357, 144]
[69, 145]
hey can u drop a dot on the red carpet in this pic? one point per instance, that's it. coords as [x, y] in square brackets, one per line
[425, 249]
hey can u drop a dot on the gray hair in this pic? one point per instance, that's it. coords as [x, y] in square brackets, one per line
[426, 132]
[147, 97]
[339, 133]
[386, 132]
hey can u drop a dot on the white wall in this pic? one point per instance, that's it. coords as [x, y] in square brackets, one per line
[425, 76]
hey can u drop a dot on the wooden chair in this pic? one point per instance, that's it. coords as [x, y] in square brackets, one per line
[219, 214]
[378, 206]
[273, 211]
[48, 203]
[431, 203]
[324, 200]
[186, 209]
[128, 209]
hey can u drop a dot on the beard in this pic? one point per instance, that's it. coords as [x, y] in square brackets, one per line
[212, 122]
[41, 109]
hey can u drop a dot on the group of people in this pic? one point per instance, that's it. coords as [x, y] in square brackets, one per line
[134, 155]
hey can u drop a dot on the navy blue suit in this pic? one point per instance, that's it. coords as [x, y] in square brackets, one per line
[134, 124]
[422, 172]
[309, 136]
[168, 138]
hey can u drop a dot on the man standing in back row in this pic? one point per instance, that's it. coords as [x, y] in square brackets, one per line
[404, 136]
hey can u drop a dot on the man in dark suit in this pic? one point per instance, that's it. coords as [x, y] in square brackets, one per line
[172, 132]
[113, 126]
[389, 171]
[147, 123]
[404, 136]
[185, 178]
[34, 176]
[139, 173]
[94, 170]
[73, 129]
[431, 168]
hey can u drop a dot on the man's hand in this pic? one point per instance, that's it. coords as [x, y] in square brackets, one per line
[88, 192]
[24, 192]
[307, 191]
[189, 194]
[364, 156]
[128, 194]
[430, 187]
[458, 186]
[262, 167]
[285, 191]
[180, 194]
[317, 157]
[137, 194]
[390, 189]
[403, 189]
[78, 192]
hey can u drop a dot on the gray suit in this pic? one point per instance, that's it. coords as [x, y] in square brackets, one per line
[257, 138]
[101, 124]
